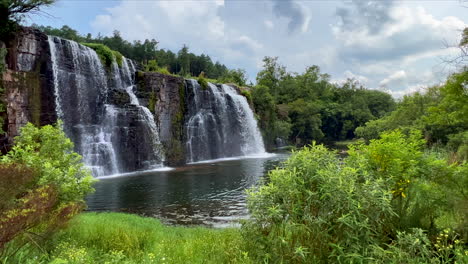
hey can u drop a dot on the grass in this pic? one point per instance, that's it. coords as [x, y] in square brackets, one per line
[125, 238]
[345, 143]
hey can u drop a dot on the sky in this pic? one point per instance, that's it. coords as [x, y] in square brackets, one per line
[396, 46]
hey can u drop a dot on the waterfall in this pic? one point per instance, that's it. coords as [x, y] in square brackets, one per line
[147, 115]
[112, 136]
[220, 123]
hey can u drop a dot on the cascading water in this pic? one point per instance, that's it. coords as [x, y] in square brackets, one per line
[112, 138]
[220, 124]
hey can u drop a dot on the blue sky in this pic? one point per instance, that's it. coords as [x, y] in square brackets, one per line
[396, 46]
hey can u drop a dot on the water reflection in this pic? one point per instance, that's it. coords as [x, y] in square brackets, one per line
[211, 194]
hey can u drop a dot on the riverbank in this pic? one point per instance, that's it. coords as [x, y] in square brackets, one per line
[127, 238]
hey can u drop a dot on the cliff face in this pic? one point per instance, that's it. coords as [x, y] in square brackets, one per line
[28, 94]
[121, 119]
[164, 95]
[30, 97]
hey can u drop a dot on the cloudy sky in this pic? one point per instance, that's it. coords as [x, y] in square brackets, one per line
[398, 46]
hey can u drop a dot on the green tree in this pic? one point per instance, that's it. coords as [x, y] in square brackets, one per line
[184, 61]
[237, 76]
[43, 184]
[271, 74]
[13, 11]
[50, 153]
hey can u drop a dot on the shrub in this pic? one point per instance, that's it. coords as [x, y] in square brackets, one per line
[458, 143]
[163, 70]
[202, 81]
[247, 95]
[50, 153]
[118, 57]
[43, 184]
[106, 55]
[320, 208]
[151, 66]
[314, 209]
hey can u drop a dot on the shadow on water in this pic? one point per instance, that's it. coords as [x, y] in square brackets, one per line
[210, 194]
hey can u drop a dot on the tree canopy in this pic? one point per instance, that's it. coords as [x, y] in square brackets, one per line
[311, 107]
[13, 11]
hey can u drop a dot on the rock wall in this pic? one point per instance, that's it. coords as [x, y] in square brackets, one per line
[164, 95]
[27, 83]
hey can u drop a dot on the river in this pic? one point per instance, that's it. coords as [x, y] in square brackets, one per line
[208, 193]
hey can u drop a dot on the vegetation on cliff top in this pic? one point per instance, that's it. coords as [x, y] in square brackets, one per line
[183, 63]
[106, 55]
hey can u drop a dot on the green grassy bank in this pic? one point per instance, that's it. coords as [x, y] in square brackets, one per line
[125, 238]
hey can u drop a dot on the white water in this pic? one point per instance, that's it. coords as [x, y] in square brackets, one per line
[53, 55]
[221, 124]
[250, 132]
[146, 114]
[111, 138]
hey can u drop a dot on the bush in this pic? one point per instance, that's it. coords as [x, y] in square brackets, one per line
[458, 143]
[151, 66]
[321, 209]
[202, 81]
[48, 151]
[43, 184]
[118, 57]
[247, 95]
[106, 55]
[315, 210]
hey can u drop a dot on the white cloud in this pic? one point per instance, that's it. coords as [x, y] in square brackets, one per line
[360, 78]
[411, 31]
[397, 78]
[269, 24]
[178, 21]
[250, 42]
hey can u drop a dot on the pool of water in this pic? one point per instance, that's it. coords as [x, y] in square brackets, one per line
[208, 193]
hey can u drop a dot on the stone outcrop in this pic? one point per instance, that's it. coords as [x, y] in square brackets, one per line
[164, 95]
[27, 83]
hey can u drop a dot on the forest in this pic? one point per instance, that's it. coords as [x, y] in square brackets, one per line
[398, 193]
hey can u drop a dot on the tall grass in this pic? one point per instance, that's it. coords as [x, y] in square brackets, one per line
[125, 238]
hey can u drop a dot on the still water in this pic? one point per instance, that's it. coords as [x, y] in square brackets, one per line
[208, 193]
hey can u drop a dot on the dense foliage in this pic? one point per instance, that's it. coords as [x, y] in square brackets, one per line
[388, 202]
[43, 185]
[183, 62]
[13, 11]
[106, 55]
[441, 113]
[306, 107]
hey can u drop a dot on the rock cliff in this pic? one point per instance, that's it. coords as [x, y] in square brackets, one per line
[121, 119]
[27, 83]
